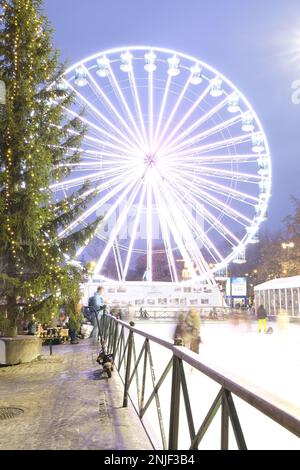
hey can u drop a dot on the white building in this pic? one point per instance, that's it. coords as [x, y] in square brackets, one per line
[278, 295]
[157, 296]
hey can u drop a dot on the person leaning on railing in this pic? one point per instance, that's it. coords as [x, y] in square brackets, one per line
[98, 304]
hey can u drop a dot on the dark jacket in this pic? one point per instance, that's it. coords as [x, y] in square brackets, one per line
[261, 313]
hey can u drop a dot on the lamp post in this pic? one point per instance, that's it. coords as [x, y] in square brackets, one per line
[287, 246]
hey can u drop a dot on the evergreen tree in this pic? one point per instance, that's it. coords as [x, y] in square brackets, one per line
[35, 138]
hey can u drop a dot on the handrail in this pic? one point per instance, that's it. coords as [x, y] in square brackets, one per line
[280, 411]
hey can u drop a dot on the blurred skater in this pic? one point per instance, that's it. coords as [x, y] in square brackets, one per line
[192, 337]
[262, 318]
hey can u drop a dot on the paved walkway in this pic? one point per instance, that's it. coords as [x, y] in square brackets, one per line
[67, 404]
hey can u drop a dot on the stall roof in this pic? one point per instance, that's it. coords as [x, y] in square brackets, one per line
[280, 283]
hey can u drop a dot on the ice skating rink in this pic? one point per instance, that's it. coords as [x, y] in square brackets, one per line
[268, 362]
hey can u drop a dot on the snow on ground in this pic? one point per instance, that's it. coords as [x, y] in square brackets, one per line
[270, 362]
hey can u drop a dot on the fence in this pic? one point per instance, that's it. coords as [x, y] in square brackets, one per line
[166, 312]
[121, 341]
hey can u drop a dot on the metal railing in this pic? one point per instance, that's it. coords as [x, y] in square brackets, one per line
[120, 340]
[168, 312]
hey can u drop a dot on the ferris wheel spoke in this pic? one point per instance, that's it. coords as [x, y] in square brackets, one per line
[115, 231]
[203, 159]
[185, 240]
[107, 197]
[92, 164]
[149, 227]
[92, 141]
[75, 181]
[220, 173]
[103, 118]
[213, 221]
[138, 104]
[172, 224]
[162, 110]
[165, 234]
[103, 174]
[205, 134]
[118, 260]
[225, 177]
[115, 206]
[98, 91]
[209, 114]
[185, 118]
[172, 114]
[222, 206]
[134, 232]
[99, 156]
[210, 247]
[120, 95]
[215, 145]
[219, 188]
[116, 251]
[96, 143]
[199, 231]
[100, 130]
[188, 239]
[150, 106]
[215, 188]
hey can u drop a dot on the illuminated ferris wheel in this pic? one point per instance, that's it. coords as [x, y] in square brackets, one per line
[179, 160]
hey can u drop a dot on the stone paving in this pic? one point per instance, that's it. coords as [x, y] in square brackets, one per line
[68, 404]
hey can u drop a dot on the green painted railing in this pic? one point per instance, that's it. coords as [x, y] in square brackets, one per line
[120, 338]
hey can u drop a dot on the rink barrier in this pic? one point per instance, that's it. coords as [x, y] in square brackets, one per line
[122, 347]
[168, 312]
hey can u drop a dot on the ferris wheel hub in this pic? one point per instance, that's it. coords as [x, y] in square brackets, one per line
[150, 160]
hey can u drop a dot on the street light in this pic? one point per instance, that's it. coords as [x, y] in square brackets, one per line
[288, 245]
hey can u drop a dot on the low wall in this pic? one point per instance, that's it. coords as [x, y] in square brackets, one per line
[19, 350]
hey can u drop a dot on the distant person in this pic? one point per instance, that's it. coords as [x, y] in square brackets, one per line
[75, 322]
[32, 326]
[262, 318]
[146, 275]
[180, 331]
[98, 305]
[192, 328]
[143, 313]
[116, 312]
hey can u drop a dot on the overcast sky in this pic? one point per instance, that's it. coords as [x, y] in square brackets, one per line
[255, 43]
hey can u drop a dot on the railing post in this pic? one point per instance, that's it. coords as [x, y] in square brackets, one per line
[224, 424]
[128, 368]
[115, 340]
[110, 333]
[175, 406]
[105, 327]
